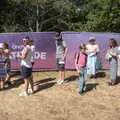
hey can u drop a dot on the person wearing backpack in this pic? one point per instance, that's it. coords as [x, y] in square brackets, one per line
[80, 64]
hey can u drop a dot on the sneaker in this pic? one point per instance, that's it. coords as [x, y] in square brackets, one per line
[8, 83]
[81, 93]
[30, 91]
[23, 94]
[60, 82]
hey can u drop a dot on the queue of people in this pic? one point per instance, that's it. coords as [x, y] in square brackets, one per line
[85, 62]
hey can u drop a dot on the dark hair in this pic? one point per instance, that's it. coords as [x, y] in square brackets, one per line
[6, 45]
[58, 36]
[113, 42]
[31, 40]
[27, 37]
[92, 41]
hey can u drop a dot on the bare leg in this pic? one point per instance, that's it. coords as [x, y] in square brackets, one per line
[7, 78]
[2, 83]
[62, 75]
[26, 80]
[31, 83]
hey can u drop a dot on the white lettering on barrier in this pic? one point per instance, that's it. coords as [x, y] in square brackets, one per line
[17, 47]
[38, 55]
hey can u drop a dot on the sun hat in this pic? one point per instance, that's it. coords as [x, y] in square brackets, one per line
[91, 38]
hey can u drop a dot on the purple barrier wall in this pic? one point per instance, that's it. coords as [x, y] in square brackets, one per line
[73, 40]
[45, 49]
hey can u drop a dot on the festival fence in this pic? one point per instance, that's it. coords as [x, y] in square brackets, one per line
[46, 48]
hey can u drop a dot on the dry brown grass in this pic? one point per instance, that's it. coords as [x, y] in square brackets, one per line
[61, 102]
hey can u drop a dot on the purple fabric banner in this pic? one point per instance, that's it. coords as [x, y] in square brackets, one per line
[73, 40]
[45, 49]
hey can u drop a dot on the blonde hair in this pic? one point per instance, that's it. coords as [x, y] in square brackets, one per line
[82, 46]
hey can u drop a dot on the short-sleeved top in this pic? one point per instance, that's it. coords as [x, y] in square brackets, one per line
[2, 66]
[118, 51]
[81, 59]
[60, 48]
[92, 49]
[27, 60]
[113, 59]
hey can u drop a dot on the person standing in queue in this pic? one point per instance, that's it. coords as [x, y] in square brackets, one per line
[61, 53]
[26, 65]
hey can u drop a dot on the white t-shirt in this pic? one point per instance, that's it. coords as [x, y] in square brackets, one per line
[119, 52]
[92, 49]
[27, 60]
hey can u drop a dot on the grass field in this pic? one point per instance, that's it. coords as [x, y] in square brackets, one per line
[61, 102]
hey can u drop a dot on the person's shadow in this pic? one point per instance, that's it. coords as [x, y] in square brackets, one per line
[118, 79]
[100, 74]
[15, 83]
[91, 86]
[71, 78]
[44, 84]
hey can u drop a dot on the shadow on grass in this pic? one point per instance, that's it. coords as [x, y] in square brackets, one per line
[15, 73]
[100, 74]
[16, 83]
[43, 81]
[44, 86]
[118, 79]
[91, 86]
[71, 78]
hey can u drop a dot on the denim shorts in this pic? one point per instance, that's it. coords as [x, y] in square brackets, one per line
[8, 71]
[26, 72]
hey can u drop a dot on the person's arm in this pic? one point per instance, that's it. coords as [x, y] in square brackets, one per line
[114, 54]
[65, 53]
[66, 50]
[7, 51]
[97, 49]
[24, 54]
[76, 64]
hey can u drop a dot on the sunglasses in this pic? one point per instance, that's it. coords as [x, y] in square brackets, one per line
[24, 40]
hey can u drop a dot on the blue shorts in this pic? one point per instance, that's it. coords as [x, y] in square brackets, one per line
[26, 72]
[2, 73]
[8, 71]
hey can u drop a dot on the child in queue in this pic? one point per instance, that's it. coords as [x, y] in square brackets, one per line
[80, 64]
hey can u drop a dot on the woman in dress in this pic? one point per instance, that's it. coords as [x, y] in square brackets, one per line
[92, 51]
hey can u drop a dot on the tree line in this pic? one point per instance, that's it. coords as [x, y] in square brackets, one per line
[63, 15]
